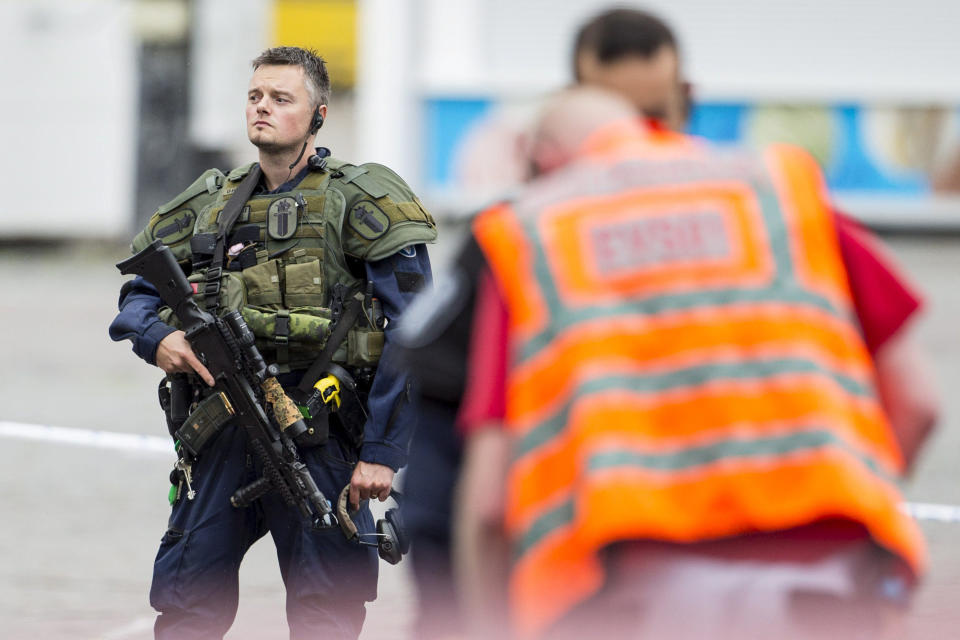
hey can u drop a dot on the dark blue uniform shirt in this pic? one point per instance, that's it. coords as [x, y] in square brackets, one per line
[391, 416]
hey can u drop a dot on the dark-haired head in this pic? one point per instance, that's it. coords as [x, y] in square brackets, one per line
[635, 53]
[621, 33]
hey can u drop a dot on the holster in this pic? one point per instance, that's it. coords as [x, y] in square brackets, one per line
[349, 420]
[175, 393]
[318, 431]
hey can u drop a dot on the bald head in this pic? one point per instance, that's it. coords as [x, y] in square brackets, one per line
[569, 118]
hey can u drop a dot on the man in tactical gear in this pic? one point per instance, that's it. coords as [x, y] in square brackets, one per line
[317, 243]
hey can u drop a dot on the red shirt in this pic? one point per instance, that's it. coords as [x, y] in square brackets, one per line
[882, 298]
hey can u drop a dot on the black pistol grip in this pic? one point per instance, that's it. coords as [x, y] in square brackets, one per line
[156, 264]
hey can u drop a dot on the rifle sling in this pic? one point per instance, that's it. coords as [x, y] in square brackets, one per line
[229, 215]
[350, 313]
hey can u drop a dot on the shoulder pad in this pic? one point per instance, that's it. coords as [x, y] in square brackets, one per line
[382, 214]
[240, 172]
[335, 163]
[209, 182]
[173, 223]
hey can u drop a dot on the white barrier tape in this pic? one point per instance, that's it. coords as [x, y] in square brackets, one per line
[155, 444]
[88, 438]
[928, 511]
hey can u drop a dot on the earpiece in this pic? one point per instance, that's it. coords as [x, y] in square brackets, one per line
[316, 122]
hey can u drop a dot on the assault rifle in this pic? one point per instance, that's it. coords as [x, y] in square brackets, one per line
[226, 347]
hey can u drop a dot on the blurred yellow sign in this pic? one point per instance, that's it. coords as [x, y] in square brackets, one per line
[327, 26]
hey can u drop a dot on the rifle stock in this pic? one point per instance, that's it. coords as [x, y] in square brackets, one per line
[156, 265]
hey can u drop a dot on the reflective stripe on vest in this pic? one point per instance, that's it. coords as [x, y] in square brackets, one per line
[685, 364]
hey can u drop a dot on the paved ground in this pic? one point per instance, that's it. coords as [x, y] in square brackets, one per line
[80, 525]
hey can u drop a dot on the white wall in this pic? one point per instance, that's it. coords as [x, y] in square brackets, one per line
[877, 54]
[901, 50]
[71, 94]
[69, 107]
[388, 127]
[226, 36]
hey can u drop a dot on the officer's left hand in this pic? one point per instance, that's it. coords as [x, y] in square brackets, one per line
[370, 480]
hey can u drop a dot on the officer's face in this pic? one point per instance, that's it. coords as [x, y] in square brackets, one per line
[279, 108]
[652, 84]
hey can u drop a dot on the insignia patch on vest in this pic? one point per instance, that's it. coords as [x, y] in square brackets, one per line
[244, 214]
[368, 220]
[176, 227]
[408, 252]
[282, 218]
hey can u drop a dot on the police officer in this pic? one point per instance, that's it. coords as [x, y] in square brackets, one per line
[314, 232]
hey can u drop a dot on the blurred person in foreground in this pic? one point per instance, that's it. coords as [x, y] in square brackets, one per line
[624, 39]
[627, 50]
[685, 405]
[314, 232]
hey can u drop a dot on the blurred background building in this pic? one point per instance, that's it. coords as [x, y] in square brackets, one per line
[115, 105]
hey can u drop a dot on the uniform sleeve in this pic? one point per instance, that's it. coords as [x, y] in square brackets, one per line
[138, 320]
[883, 297]
[392, 411]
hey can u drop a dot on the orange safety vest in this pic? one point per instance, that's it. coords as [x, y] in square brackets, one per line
[685, 362]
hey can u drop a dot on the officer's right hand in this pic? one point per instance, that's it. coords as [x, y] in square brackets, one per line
[174, 355]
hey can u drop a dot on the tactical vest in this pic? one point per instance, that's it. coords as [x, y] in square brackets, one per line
[304, 238]
[685, 364]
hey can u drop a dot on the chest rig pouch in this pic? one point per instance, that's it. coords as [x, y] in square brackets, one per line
[286, 272]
